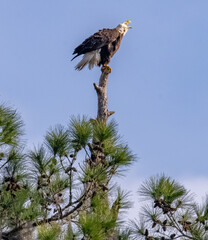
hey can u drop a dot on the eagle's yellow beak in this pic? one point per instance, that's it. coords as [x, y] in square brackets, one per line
[128, 21]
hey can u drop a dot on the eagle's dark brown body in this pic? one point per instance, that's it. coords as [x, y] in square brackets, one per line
[108, 40]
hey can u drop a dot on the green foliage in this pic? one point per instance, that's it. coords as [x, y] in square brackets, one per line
[39, 159]
[162, 187]
[105, 132]
[49, 232]
[80, 132]
[94, 174]
[201, 211]
[13, 205]
[172, 213]
[124, 234]
[121, 156]
[91, 227]
[137, 229]
[32, 210]
[150, 213]
[16, 206]
[121, 202]
[70, 235]
[16, 162]
[19, 206]
[100, 223]
[52, 193]
[57, 140]
[58, 184]
[46, 182]
[11, 126]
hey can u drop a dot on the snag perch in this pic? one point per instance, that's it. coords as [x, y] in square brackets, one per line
[101, 90]
[98, 50]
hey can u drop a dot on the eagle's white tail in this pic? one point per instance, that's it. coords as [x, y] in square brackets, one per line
[90, 58]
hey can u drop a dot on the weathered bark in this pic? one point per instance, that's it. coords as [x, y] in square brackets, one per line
[102, 114]
[98, 156]
[101, 90]
[25, 233]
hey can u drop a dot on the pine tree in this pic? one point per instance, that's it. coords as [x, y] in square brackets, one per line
[66, 181]
[170, 212]
[63, 188]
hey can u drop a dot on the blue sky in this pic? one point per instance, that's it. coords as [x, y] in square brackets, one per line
[158, 85]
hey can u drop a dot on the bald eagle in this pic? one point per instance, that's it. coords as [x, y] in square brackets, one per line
[99, 48]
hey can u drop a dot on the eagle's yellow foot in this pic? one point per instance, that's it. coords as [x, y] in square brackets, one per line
[106, 67]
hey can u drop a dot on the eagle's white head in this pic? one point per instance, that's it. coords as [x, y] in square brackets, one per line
[123, 28]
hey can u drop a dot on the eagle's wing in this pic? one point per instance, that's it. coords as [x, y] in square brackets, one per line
[97, 41]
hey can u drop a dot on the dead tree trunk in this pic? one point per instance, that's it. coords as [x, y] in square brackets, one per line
[102, 115]
[25, 233]
[101, 90]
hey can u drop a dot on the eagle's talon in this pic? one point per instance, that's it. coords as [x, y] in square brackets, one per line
[106, 67]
